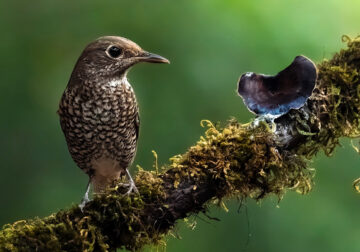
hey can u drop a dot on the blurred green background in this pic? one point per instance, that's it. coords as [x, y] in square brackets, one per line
[210, 43]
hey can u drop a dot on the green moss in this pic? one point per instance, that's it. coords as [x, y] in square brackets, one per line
[335, 103]
[72, 230]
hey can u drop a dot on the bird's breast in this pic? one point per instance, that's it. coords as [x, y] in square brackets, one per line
[100, 125]
[113, 102]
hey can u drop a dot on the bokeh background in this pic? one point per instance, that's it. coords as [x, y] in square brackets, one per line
[210, 43]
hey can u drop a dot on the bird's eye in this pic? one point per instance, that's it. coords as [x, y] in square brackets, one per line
[114, 51]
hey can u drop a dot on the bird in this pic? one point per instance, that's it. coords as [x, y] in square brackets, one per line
[273, 96]
[99, 113]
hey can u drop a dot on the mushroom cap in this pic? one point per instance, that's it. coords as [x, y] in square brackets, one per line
[276, 95]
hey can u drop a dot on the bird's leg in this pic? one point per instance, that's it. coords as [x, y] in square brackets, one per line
[85, 199]
[132, 183]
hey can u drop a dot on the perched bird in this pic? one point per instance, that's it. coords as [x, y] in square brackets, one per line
[273, 96]
[98, 111]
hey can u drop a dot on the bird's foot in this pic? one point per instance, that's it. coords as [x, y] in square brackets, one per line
[132, 188]
[85, 199]
[132, 184]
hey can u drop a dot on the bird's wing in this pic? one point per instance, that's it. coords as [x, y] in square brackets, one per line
[137, 124]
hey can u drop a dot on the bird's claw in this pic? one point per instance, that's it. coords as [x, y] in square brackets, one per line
[85, 199]
[132, 188]
[132, 184]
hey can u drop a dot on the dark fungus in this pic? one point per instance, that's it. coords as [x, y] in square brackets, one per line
[276, 95]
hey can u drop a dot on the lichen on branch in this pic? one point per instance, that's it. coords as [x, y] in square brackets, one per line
[251, 160]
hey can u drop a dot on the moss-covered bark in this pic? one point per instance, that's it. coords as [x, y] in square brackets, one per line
[244, 160]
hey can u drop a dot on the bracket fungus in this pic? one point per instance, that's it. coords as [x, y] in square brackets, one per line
[274, 96]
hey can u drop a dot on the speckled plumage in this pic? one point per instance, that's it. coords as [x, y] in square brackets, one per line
[98, 111]
[102, 124]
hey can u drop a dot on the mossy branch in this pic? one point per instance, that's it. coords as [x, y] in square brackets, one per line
[250, 160]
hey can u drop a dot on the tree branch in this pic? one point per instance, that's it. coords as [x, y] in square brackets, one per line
[250, 160]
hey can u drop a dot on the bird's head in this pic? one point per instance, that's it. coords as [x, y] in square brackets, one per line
[111, 57]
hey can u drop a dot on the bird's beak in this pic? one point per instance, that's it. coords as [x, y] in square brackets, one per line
[151, 57]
